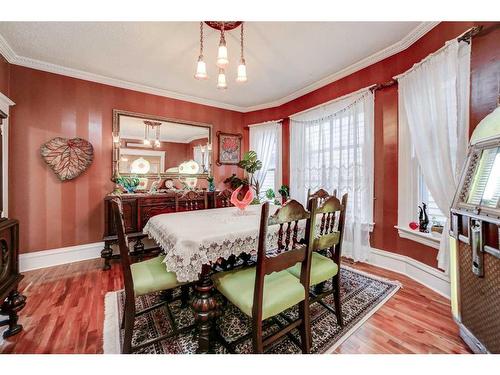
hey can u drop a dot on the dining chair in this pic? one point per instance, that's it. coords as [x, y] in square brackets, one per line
[223, 199]
[191, 200]
[327, 267]
[321, 194]
[142, 278]
[267, 289]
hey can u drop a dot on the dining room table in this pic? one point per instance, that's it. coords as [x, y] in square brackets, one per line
[193, 242]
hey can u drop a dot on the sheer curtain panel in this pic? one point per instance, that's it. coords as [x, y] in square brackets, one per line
[331, 147]
[265, 140]
[434, 102]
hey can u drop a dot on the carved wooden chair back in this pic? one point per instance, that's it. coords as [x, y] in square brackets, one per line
[331, 217]
[290, 249]
[321, 195]
[223, 199]
[123, 247]
[191, 200]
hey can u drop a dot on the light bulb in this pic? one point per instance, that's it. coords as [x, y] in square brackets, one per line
[222, 59]
[242, 72]
[201, 69]
[147, 142]
[221, 80]
[157, 143]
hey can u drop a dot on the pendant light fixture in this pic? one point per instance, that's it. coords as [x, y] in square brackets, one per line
[221, 79]
[222, 61]
[242, 68]
[201, 67]
[152, 129]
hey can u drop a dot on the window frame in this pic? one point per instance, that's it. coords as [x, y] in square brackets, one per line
[278, 169]
[409, 188]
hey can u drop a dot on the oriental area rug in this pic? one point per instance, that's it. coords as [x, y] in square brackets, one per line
[362, 295]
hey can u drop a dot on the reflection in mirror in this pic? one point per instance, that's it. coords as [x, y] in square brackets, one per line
[153, 146]
[485, 189]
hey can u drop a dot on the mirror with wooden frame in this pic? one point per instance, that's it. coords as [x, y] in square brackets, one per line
[152, 146]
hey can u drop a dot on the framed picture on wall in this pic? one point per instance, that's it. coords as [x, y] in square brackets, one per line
[229, 148]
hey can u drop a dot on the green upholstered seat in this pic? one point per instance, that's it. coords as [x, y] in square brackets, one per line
[281, 290]
[151, 276]
[322, 269]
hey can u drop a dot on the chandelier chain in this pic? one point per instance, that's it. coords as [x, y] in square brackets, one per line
[241, 40]
[201, 39]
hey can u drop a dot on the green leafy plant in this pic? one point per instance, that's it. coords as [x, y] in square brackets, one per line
[284, 191]
[235, 182]
[250, 164]
[129, 183]
[270, 194]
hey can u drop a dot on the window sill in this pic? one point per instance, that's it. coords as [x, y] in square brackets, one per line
[427, 239]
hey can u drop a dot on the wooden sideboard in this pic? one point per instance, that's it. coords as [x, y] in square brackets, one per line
[137, 210]
[11, 301]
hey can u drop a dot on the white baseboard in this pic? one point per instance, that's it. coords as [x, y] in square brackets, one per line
[64, 255]
[429, 276]
[420, 272]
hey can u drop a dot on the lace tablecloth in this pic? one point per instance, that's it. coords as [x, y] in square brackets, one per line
[192, 239]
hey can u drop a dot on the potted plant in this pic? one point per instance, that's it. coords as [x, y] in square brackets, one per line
[250, 164]
[284, 191]
[270, 195]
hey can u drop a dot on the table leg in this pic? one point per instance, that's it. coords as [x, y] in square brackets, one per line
[205, 309]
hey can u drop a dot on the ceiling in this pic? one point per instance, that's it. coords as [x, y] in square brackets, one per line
[284, 59]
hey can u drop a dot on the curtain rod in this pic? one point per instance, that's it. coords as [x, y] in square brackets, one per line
[466, 37]
[469, 34]
[384, 85]
[264, 123]
[334, 100]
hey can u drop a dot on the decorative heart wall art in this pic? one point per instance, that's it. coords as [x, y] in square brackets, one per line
[68, 158]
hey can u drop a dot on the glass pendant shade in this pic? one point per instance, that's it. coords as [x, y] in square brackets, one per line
[242, 72]
[221, 80]
[222, 59]
[147, 142]
[157, 143]
[201, 69]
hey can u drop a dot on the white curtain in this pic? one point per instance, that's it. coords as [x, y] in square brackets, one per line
[331, 147]
[434, 96]
[264, 140]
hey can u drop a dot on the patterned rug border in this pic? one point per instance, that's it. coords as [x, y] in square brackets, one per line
[111, 331]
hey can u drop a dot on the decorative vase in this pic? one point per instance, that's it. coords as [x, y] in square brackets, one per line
[211, 186]
[245, 202]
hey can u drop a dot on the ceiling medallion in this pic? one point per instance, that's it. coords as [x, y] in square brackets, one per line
[222, 55]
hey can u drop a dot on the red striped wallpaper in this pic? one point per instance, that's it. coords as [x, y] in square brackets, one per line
[54, 214]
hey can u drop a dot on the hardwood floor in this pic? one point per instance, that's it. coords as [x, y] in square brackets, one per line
[65, 312]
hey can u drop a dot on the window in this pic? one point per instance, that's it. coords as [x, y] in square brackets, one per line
[331, 147]
[433, 212]
[265, 140]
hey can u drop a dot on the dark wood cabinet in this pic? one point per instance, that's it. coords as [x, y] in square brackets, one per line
[137, 210]
[11, 301]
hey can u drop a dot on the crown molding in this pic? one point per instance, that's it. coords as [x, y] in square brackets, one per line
[404, 43]
[397, 47]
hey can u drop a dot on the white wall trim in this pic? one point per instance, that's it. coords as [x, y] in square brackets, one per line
[429, 276]
[399, 46]
[64, 255]
[427, 239]
[5, 104]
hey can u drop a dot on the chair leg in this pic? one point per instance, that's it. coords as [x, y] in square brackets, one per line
[184, 296]
[305, 327]
[336, 298]
[258, 347]
[129, 318]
